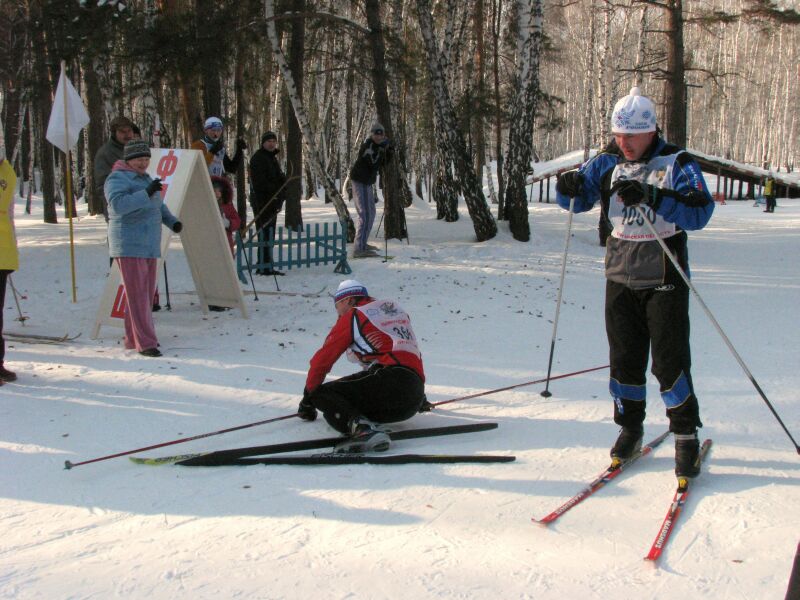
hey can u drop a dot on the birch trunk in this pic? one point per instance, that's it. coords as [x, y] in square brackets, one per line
[522, 110]
[452, 138]
[312, 153]
[292, 214]
[675, 82]
[395, 190]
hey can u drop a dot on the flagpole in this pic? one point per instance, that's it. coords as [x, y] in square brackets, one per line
[69, 185]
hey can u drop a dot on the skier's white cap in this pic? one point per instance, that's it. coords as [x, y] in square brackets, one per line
[633, 114]
[349, 288]
[213, 122]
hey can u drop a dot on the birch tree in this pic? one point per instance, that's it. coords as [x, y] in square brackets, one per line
[522, 110]
[312, 153]
[395, 189]
[452, 139]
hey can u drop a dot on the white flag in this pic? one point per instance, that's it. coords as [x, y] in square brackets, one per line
[68, 116]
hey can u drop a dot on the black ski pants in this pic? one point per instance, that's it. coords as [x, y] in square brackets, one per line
[639, 321]
[380, 394]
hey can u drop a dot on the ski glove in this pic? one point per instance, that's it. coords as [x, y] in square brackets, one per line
[241, 144]
[153, 187]
[306, 410]
[570, 184]
[634, 192]
[177, 227]
[216, 146]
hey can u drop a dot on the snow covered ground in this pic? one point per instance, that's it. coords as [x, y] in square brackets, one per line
[484, 314]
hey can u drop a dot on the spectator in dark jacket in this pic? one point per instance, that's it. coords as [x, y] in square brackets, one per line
[122, 131]
[372, 155]
[267, 195]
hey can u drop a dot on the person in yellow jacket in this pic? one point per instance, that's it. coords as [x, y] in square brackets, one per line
[9, 255]
[770, 193]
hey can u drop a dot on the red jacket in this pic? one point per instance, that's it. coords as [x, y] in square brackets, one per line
[376, 331]
[228, 209]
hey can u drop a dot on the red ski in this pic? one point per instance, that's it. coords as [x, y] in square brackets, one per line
[678, 500]
[605, 477]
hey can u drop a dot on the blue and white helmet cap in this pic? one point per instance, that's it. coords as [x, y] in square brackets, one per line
[213, 123]
[633, 114]
[349, 288]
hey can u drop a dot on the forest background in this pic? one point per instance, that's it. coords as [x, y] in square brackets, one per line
[456, 85]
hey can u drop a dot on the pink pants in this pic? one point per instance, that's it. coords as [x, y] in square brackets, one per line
[139, 279]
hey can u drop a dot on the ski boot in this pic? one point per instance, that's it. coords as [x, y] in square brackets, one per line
[629, 443]
[687, 454]
[364, 437]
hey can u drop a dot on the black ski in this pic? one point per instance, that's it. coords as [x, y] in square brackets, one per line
[357, 459]
[211, 458]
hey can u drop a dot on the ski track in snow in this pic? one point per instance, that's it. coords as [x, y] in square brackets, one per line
[484, 315]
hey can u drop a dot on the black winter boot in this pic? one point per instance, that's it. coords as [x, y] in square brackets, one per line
[687, 451]
[628, 443]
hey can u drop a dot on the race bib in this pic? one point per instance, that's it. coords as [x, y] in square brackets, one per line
[627, 221]
[389, 318]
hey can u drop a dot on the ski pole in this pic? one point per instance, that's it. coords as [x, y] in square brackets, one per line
[21, 319]
[546, 393]
[69, 465]
[247, 262]
[714, 322]
[166, 285]
[517, 385]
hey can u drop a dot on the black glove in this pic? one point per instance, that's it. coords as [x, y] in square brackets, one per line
[241, 144]
[153, 187]
[570, 184]
[306, 410]
[425, 406]
[216, 146]
[177, 227]
[634, 192]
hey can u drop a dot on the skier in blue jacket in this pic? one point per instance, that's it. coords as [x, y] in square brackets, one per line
[647, 301]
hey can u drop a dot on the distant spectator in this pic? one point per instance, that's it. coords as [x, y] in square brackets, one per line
[372, 155]
[213, 148]
[267, 195]
[122, 131]
[136, 213]
[770, 192]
